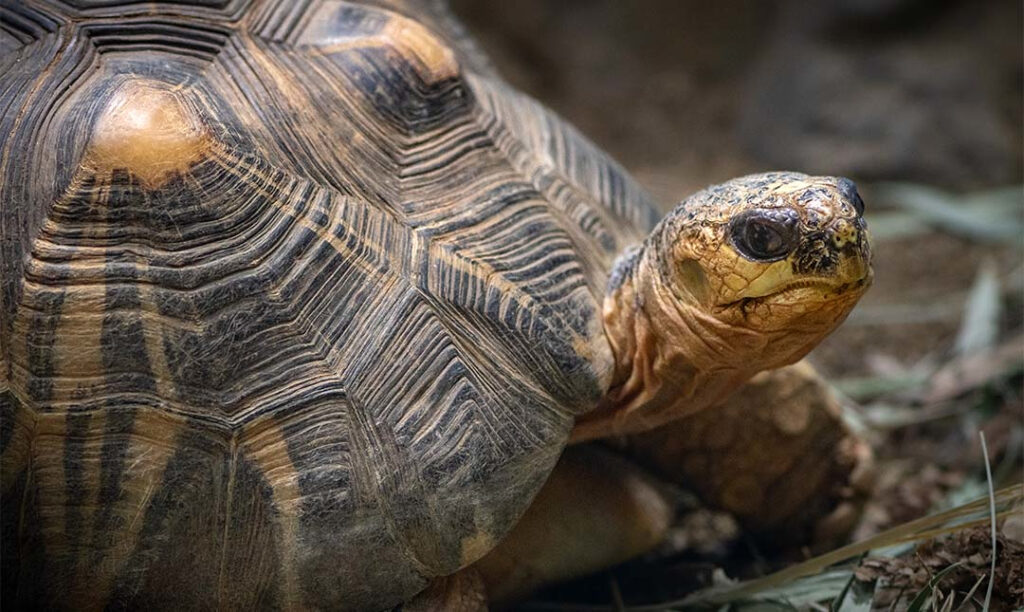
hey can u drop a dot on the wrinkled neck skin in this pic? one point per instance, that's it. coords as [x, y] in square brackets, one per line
[661, 376]
[675, 356]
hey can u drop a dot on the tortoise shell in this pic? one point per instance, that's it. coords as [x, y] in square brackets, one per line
[299, 300]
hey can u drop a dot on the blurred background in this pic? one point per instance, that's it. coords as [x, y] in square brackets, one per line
[919, 102]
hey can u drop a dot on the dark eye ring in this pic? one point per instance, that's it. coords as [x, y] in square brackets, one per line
[762, 235]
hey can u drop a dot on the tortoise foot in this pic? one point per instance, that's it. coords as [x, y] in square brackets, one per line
[778, 455]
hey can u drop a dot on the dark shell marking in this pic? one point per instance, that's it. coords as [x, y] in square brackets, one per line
[296, 312]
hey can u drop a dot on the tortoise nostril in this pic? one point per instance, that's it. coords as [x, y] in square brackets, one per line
[849, 191]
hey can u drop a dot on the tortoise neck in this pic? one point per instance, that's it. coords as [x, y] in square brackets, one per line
[671, 358]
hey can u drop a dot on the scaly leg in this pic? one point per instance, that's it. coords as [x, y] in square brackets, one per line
[777, 455]
[597, 509]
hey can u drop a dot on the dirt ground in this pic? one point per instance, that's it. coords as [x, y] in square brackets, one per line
[923, 94]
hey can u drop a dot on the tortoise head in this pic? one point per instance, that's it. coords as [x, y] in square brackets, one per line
[741, 277]
[783, 254]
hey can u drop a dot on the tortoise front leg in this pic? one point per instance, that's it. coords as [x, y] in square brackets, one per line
[777, 455]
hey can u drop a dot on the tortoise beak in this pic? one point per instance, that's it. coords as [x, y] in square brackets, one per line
[853, 244]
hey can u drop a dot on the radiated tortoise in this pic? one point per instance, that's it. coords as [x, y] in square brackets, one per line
[301, 302]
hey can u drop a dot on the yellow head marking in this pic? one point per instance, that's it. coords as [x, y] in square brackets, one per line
[773, 245]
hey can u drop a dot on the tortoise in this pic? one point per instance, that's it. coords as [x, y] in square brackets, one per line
[301, 302]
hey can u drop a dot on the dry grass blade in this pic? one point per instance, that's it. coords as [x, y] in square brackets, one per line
[895, 602]
[992, 521]
[994, 205]
[838, 603]
[840, 600]
[951, 213]
[885, 416]
[927, 527]
[947, 606]
[925, 594]
[824, 587]
[860, 598]
[980, 327]
[934, 386]
[867, 387]
[974, 588]
[972, 371]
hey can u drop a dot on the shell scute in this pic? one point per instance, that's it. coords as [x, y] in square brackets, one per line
[289, 290]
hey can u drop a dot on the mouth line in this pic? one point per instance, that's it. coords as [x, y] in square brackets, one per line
[825, 285]
[816, 283]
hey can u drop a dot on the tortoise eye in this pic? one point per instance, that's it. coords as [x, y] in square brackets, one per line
[764, 235]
